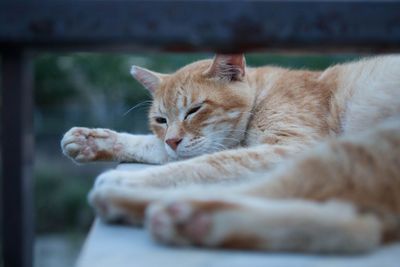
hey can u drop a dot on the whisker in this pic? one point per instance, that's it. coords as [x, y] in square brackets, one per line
[230, 131]
[137, 105]
[219, 147]
[233, 139]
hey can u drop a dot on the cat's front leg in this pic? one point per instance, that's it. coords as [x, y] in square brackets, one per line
[222, 167]
[87, 145]
[152, 177]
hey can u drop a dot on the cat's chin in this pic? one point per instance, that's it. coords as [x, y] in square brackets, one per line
[175, 155]
[182, 155]
[179, 155]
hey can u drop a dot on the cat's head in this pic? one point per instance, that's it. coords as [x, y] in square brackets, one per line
[203, 107]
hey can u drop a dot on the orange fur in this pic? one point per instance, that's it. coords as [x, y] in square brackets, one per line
[299, 139]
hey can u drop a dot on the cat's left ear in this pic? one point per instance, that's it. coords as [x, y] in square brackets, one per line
[149, 79]
[228, 67]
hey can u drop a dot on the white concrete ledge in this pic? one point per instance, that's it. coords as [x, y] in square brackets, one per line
[123, 246]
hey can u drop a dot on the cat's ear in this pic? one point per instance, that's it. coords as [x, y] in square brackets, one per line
[149, 79]
[228, 67]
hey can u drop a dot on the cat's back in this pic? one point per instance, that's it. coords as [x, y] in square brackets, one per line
[344, 98]
[370, 90]
[290, 103]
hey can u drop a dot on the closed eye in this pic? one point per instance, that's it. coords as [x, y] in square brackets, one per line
[192, 111]
[161, 120]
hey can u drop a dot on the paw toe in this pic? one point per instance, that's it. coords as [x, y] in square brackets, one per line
[160, 224]
[179, 211]
[198, 228]
[80, 143]
[72, 149]
[178, 223]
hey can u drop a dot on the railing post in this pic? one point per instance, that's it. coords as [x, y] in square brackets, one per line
[17, 157]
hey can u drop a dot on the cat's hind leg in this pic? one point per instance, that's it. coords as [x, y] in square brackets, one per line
[116, 204]
[244, 222]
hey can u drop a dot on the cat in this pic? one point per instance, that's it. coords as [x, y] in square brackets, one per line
[258, 158]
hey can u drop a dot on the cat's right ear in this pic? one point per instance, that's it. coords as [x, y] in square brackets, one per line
[149, 79]
[229, 67]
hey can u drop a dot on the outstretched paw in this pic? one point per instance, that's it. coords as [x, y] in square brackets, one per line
[84, 144]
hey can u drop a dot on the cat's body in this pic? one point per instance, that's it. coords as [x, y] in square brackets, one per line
[282, 144]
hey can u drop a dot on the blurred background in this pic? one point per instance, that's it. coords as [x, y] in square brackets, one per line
[96, 90]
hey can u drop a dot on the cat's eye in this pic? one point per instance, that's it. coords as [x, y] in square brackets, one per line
[192, 110]
[161, 120]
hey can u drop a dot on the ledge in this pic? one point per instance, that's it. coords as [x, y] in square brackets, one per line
[123, 246]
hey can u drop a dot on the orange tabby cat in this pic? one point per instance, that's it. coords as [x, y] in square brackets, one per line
[265, 158]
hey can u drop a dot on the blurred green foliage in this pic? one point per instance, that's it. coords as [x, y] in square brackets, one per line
[96, 90]
[60, 78]
[60, 201]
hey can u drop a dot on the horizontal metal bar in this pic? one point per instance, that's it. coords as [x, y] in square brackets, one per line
[226, 26]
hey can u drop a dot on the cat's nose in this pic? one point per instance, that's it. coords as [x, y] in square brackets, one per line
[173, 142]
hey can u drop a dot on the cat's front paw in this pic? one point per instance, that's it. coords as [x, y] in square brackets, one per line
[85, 145]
